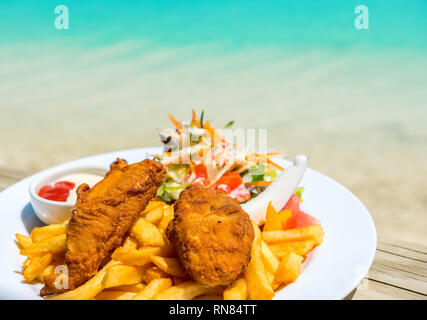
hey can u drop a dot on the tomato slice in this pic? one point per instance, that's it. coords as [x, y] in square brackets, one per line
[231, 180]
[298, 218]
[200, 170]
[201, 173]
[241, 194]
[232, 184]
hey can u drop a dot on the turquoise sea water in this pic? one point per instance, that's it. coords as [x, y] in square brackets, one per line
[234, 23]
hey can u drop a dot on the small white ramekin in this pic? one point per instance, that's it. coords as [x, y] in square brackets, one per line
[55, 211]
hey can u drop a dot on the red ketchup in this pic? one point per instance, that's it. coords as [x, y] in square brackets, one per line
[59, 191]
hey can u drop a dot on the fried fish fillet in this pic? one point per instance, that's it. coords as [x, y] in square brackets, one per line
[212, 234]
[104, 213]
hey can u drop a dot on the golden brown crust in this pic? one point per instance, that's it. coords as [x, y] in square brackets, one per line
[104, 213]
[212, 234]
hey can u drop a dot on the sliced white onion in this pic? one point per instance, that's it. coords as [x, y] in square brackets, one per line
[279, 191]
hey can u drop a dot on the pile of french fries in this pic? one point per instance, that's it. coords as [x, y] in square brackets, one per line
[146, 266]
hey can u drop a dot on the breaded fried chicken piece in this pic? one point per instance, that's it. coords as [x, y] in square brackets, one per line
[104, 213]
[212, 234]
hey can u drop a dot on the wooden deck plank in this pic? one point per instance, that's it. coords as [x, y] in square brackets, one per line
[373, 290]
[10, 176]
[409, 250]
[399, 271]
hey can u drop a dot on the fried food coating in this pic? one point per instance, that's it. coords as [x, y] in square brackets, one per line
[212, 234]
[104, 213]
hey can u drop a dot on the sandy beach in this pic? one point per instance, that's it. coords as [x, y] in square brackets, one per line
[360, 116]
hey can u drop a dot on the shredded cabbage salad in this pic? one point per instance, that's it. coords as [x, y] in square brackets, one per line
[196, 154]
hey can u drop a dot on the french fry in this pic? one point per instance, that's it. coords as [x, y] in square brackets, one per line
[301, 248]
[153, 288]
[289, 269]
[37, 266]
[147, 257]
[120, 275]
[237, 290]
[171, 266]
[258, 284]
[24, 241]
[147, 233]
[152, 205]
[276, 220]
[168, 209]
[129, 288]
[53, 245]
[270, 277]
[130, 244]
[271, 263]
[48, 270]
[89, 289]
[140, 257]
[50, 231]
[185, 291]
[168, 215]
[155, 215]
[314, 233]
[26, 263]
[155, 273]
[135, 257]
[115, 295]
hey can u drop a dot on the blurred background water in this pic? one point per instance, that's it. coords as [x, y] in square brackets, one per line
[354, 100]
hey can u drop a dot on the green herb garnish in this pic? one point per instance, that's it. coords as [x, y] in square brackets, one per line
[229, 125]
[201, 118]
[299, 192]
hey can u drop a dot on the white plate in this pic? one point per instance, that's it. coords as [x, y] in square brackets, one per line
[331, 271]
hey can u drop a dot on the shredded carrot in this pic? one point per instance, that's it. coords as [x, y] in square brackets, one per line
[274, 154]
[233, 166]
[176, 123]
[211, 131]
[258, 156]
[258, 184]
[274, 164]
[194, 119]
[269, 154]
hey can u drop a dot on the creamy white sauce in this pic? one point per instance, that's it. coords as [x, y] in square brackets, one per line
[79, 178]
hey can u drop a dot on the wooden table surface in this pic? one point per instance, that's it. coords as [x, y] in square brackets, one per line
[399, 270]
